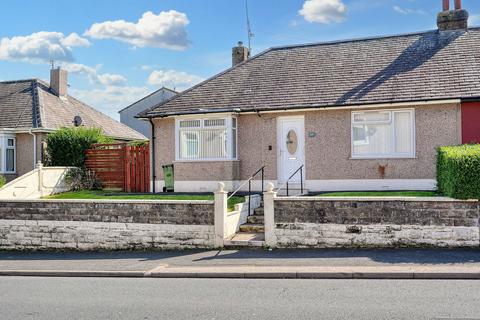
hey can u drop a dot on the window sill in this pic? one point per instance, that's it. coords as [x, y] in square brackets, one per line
[384, 158]
[205, 160]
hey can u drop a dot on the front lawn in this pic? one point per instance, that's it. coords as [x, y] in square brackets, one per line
[109, 195]
[381, 194]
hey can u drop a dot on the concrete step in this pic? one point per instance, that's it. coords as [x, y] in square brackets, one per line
[252, 228]
[258, 212]
[256, 219]
[246, 239]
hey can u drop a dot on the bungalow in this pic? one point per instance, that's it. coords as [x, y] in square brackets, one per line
[30, 109]
[362, 114]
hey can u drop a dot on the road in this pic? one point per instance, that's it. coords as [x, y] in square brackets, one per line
[90, 298]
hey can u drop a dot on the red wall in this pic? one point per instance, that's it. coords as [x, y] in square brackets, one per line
[471, 122]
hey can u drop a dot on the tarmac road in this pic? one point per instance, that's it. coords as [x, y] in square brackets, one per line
[123, 298]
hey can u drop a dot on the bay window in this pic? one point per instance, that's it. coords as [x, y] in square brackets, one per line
[213, 138]
[7, 153]
[383, 134]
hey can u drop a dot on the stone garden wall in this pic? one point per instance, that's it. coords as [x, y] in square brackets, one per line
[106, 225]
[333, 223]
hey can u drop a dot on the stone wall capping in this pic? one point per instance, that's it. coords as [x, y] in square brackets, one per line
[92, 201]
[370, 199]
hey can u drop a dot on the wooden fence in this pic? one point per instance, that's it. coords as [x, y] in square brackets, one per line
[120, 166]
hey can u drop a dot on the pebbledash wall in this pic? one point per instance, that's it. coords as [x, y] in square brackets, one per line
[329, 164]
[106, 225]
[333, 223]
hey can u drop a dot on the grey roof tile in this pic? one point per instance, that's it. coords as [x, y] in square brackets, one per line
[30, 104]
[413, 67]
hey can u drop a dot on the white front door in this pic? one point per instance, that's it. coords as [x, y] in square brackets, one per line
[291, 147]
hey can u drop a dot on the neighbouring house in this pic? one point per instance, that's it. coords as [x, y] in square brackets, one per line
[127, 114]
[30, 109]
[362, 114]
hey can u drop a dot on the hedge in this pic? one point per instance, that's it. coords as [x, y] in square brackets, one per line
[458, 171]
[66, 146]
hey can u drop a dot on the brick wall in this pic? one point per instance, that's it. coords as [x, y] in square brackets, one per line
[153, 212]
[99, 225]
[84, 235]
[314, 222]
[424, 213]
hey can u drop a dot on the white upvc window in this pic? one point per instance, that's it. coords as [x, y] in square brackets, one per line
[206, 138]
[383, 134]
[8, 153]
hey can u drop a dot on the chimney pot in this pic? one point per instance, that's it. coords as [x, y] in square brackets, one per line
[446, 5]
[240, 54]
[458, 4]
[59, 81]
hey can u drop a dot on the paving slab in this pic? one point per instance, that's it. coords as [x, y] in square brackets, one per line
[311, 264]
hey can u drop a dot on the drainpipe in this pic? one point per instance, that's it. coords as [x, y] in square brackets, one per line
[152, 143]
[34, 147]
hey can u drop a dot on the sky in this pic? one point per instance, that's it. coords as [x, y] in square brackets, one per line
[119, 51]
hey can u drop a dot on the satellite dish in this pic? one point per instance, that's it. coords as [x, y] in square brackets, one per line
[77, 121]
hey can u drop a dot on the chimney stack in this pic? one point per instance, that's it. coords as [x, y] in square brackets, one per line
[240, 54]
[58, 81]
[456, 19]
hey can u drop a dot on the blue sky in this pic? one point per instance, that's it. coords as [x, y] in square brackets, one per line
[118, 51]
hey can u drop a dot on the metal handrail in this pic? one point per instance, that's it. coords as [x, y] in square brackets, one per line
[301, 180]
[249, 181]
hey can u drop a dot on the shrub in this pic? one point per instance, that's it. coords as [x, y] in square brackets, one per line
[66, 147]
[458, 171]
[3, 181]
[138, 143]
[82, 179]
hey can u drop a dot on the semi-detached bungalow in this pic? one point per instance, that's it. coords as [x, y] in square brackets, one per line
[363, 114]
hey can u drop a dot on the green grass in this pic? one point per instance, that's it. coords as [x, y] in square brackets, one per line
[108, 195]
[381, 194]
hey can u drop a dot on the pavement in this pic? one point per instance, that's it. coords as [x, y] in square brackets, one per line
[281, 264]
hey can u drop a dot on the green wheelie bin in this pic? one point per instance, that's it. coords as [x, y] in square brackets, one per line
[168, 177]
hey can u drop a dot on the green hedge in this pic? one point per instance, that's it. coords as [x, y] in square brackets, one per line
[3, 181]
[66, 146]
[458, 171]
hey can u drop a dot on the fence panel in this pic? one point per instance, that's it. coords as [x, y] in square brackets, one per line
[120, 166]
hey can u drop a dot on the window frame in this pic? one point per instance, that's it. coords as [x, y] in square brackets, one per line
[391, 122]
[4, 137]
[229, 136]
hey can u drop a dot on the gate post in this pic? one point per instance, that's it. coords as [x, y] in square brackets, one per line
[220, 214]
[269, 212]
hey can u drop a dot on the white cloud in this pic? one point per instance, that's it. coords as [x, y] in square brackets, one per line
[173, 79]
[407, 11]
[111, 99]
[324, 11]
[106, 79]
[148, 67]
[165, 30]
[74, 40]
[41, 46]
[109, 79]
[79, 68]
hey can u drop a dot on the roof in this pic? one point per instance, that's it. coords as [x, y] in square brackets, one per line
[430, 65]
[26, 104]
[148, 96]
